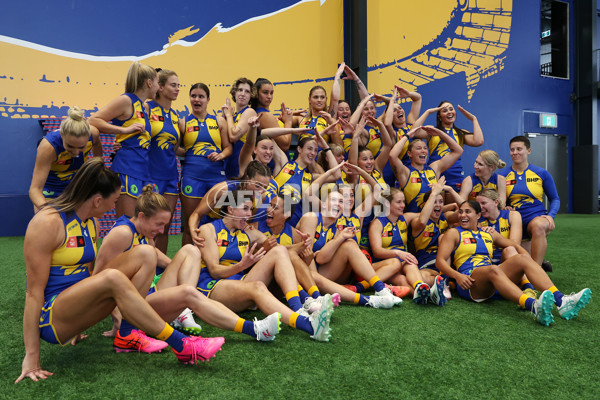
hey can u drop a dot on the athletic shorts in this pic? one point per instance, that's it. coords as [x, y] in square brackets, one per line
[169, 186]
[47, 331]
[466, 294]
[206, 283]
[197, 188]
[132, 186]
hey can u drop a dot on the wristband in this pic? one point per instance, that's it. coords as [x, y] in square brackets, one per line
[326, 150]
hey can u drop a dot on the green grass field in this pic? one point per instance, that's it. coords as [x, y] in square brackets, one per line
[463, 350]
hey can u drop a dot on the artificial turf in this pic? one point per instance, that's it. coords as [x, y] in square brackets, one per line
[463, 350]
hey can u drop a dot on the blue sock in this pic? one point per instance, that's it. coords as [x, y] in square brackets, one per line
[176, 340]
[248, 329]
[316, 294]
[304, 324]
[378, 286]
[529, 304]
[303, 295]
[363, 300]
[125, 328]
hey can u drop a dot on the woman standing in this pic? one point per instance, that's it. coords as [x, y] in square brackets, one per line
[127, 118]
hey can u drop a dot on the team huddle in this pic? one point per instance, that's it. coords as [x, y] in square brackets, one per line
[288, 213]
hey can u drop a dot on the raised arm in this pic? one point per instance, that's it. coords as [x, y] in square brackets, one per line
[248, 147]
[386, 143]
[360, 87]
[415, 108]
[401, 171]
[476, 139]
[421, 120]
[421, 222]
[336, 90]
[449, 159]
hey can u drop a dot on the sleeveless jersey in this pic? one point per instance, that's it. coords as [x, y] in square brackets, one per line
[314, 122]
[284, 238]
[474, 250]
[438, 149]
[478, 185]
[232, 163]
[322, 234]
[202, 138]
[64, 167]
[354, 221]
[165, 135]
[374, 144]
[525, 192]
[502, 226]
[133, 157]
[137, 239]
[291, 181]
[416, 186]
[400, 132]
[232, 247]
[70, 263]
[426, 242]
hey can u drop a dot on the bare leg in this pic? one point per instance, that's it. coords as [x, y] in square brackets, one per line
[162, 239]
[188, 205]
[538, 229]
[184, 268]
[276, 263]
[170, 302]
[138, 264]
[521, 264]
[240, 295]
[348, 257]
[303, 274]
[125, 205]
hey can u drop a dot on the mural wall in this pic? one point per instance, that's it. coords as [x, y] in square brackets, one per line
[481, 54]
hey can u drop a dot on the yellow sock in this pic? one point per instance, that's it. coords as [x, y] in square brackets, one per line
[357, 298]
[553, 289]
[290, 294]
[300, 288]
[312, 289]
[165, 333]
[373, 280]
[293, 319]
[416, 283]
[239, 325]
[522, 300]
[525, 282]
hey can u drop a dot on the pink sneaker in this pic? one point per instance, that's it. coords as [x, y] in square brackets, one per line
[137, 341]
[198, 348]
[336, 298]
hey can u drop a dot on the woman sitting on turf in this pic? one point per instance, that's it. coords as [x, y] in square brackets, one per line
[470, 250]
[62, 299]
[236, 270]
[176, 287]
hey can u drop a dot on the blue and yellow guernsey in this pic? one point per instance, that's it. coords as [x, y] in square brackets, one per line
[322, 234]
[374, 144]
[478, 186]
[202, 138]
[525, 192]
[71, 262]
[416, 186]
[64, 167]
[284, 238]
[164, 137]
[438, 149]
[317, 122]
[427, 241]
[400, 132]
[502, 226]
[232, 164]
[350, 221]
[394, 235]
[133, 157]
[136, 239]
[290, 182]
[474, 250]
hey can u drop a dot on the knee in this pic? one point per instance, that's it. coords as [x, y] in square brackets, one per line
[257, 287]
[115, 279]
[508, 252]
[538, 227]
[145, 254]
[280, 251]
[189, 250]
[495, 270]
[350, 245]
[189, 292]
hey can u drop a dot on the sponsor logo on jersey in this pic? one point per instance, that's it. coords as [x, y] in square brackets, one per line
[75, 241]
[222, 242]
[158, 118]
[415, 180]
[470, 241]
[193, 128]
[533, 179]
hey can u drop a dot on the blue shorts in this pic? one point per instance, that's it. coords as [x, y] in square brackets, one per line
[428, 263]
[197, 188]
[47, 331]
[132, 186]
[169, 186]
[206, 283]
[466, 294]
[525, 223]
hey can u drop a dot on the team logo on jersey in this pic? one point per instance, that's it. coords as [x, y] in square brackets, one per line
[511, 182]
[288, 170]
[193, 128]
[375, 136]
[75, 241]
[470, 241]
[158, 118]
[340, 227]
[210, 284]
[317, 235]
